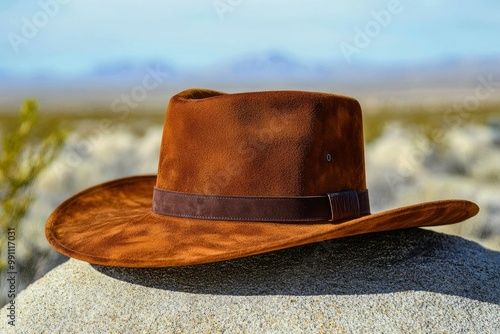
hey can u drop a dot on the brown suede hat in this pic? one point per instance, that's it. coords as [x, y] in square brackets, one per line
[238, 175]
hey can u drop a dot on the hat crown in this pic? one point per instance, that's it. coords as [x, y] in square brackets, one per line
[275, 143]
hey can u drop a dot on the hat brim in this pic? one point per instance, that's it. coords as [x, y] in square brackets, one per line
[112, 224]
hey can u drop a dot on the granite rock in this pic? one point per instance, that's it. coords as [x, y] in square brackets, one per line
[403, 281]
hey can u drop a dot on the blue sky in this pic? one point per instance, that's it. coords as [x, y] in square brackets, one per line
[74, 36]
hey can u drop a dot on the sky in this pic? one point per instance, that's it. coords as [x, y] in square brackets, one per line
[70, 36]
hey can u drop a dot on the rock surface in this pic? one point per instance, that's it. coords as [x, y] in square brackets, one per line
[403, 281]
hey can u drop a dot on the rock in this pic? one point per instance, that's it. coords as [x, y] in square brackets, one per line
[406, 281]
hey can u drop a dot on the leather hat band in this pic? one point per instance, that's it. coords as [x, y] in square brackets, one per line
[337, 206]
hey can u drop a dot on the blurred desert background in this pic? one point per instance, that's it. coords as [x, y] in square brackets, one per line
[427, 75]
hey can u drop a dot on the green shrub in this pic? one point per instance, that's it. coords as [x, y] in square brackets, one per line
[25, 153]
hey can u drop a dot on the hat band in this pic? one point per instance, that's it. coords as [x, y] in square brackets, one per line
[336, 206]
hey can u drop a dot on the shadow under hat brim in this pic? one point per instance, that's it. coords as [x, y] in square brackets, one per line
[112, 224]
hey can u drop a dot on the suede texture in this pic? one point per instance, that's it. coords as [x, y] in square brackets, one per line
[284, 143]
[262, 144]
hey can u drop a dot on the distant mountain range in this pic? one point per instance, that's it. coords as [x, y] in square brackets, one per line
[273, 70]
